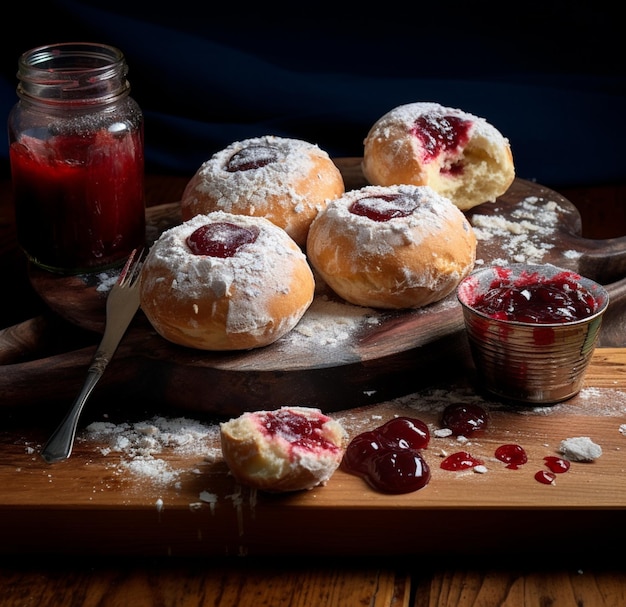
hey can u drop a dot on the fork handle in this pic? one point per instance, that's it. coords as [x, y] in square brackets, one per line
[59, 445]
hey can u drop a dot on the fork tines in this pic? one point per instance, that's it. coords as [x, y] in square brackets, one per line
[132, 267]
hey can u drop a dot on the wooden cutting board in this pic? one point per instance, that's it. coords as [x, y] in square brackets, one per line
[104, 500]
[340, 355]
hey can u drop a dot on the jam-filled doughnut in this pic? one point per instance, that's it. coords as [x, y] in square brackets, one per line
[289, 449]
[400, 246]
[459, 155]
[225, 282]
[284, 180]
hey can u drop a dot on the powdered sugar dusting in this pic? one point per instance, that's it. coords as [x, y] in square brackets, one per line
[433, 213]
[431, 402]
[331, 323]
[141, 445]
[527, 235]
[408, 113]
[264, 185]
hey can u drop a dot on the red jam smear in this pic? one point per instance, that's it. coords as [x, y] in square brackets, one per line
[251, 157]
[389, 457]
[462, 460]
[512, 455]
[384, 207]
[220, 239]
[298, 430]
[464, 419]
[79, 201]
[439, 134]
[537, 299]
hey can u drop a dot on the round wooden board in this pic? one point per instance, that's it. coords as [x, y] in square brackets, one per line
[339, 355]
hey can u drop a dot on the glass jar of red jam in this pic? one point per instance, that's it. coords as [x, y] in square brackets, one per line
[77, 158]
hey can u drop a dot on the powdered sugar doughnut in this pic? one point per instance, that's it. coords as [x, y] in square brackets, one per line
[284, 180]
[400, 246]
[290, 449]
[459, 155]
[225, 282]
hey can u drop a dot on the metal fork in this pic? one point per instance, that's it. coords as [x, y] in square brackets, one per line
[121, 306]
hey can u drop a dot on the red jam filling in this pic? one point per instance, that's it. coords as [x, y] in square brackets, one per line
[389, 457]
[512, 455]
[383, 208]
[536, 299]
[464, 419]
[79, 201]
[251, 157]
[439, 134]
[220, 239]
[461, 460]
[299, 430]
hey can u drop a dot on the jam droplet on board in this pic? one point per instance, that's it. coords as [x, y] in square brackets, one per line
[555, 465]
[464, 419]
[544, 477]
[251, 157]
[512, 455]
[462, 460]
[439, 134]
[384, 207]
[389, 457]
[220, 239]
[558, 465]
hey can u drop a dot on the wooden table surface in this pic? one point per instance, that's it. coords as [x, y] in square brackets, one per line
[592, 575]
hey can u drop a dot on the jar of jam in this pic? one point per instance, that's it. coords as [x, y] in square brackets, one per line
[77, 158]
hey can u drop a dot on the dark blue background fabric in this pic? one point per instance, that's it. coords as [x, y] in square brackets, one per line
[549, 76]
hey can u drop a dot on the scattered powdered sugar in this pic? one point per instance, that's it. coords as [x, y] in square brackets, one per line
[141, 444]
[526, 236]
[106, 280]
[330, 323]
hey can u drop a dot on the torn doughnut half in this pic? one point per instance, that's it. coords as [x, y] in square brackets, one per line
[460, 156]
[289, 449]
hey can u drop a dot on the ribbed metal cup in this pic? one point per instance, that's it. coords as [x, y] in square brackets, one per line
[534, 363]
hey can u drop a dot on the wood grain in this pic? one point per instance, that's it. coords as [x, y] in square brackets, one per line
[521, 588]
[105, 508]
[214, 583]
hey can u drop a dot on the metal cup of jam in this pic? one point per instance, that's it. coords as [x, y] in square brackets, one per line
[77, 158]
[532, 329]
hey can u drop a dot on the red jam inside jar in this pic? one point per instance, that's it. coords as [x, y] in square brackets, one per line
[537, 299]
[79, 199]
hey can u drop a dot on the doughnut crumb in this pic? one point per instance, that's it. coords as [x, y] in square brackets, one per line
[580, 449]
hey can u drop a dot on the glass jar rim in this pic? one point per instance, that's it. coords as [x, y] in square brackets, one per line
[72, 72]
[71, 57]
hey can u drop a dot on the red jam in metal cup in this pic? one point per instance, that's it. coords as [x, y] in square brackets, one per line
[532, 329]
